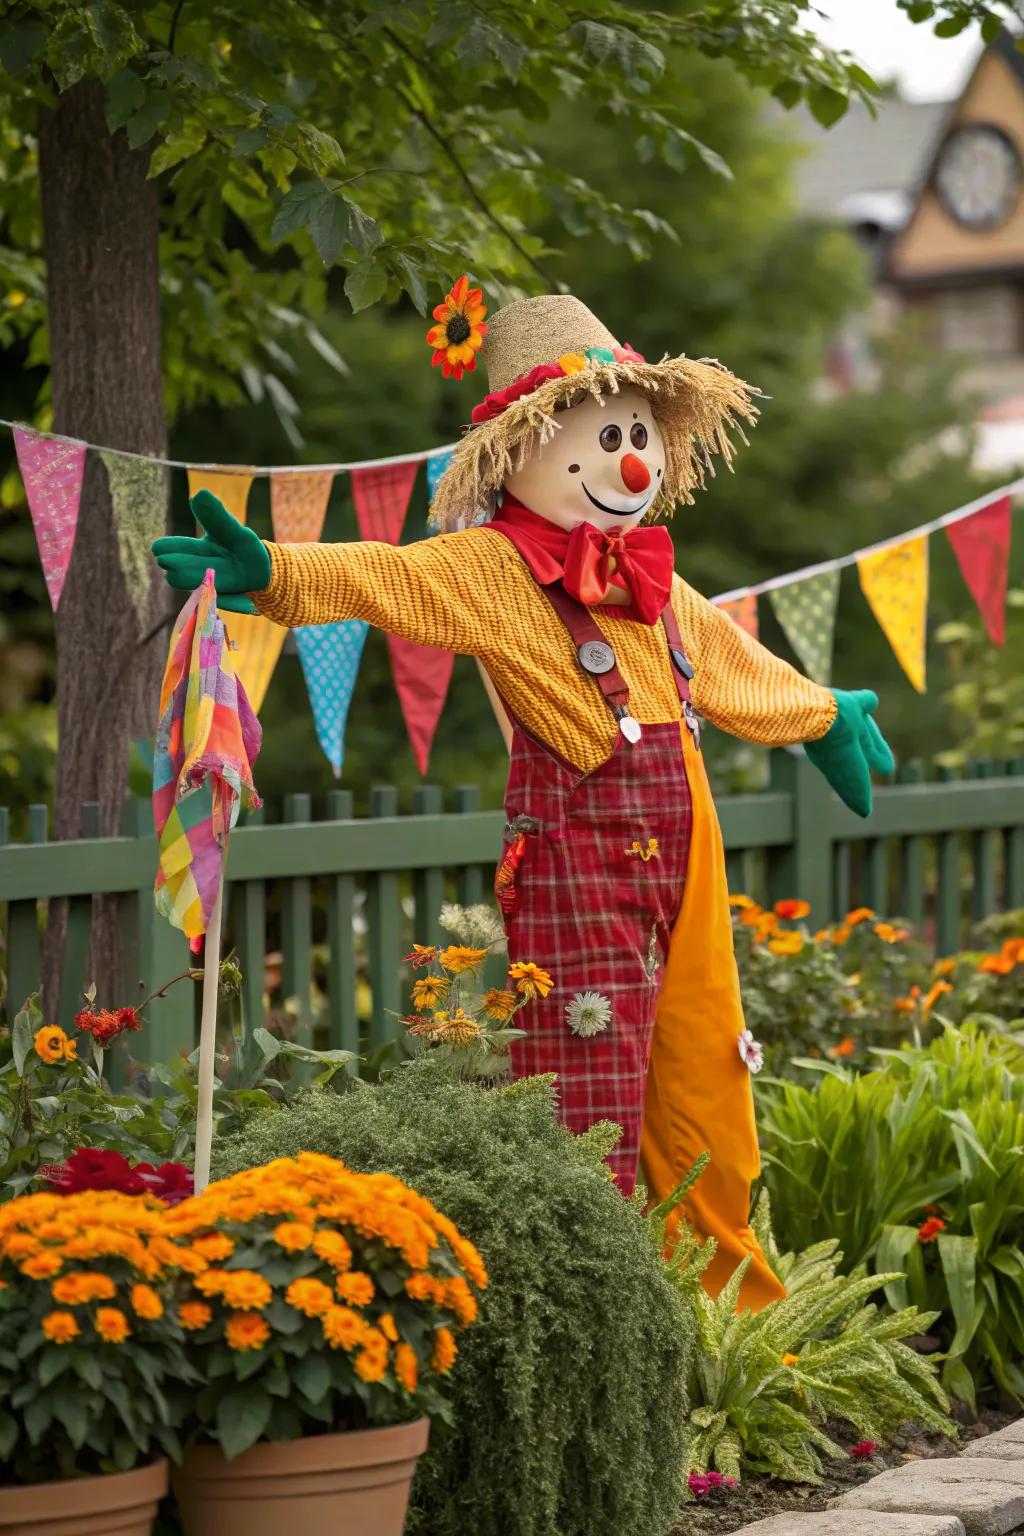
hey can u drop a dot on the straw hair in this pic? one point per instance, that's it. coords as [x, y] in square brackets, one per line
[695, 403]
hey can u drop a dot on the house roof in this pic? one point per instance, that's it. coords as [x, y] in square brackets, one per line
[869, 169]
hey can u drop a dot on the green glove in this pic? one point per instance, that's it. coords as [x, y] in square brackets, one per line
[850, 748]
[237, 556]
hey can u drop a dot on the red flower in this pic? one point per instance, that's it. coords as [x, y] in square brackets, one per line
[105, 1025]
[95, 1168]
[929, 1230]
[697, 1484]
[171, 1182]
[863, 1449]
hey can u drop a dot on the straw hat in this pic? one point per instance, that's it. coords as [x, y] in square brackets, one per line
[546, 353]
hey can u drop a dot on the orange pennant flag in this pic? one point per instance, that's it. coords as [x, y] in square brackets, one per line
[298, 505]
[258, 640]
[743, 610]
[895, 582]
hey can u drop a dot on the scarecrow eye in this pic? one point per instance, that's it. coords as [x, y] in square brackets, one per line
[638, 435]
[610, 439]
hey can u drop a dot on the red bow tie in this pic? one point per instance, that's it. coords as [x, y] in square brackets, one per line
[588, 561]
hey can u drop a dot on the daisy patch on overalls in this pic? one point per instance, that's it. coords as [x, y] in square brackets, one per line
[751, 1052]
[644, 850]
[588, 1013]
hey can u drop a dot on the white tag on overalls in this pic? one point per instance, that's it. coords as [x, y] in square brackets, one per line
[630, 728]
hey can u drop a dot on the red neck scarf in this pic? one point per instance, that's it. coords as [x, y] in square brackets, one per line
[583, 559]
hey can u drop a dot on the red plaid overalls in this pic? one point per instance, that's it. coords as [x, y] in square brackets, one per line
[595, 901]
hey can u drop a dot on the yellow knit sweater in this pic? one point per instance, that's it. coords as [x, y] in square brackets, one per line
[471, 592]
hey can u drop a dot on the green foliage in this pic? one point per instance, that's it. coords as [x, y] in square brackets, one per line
[985, 692]
[941, 1129]
[569, 1400]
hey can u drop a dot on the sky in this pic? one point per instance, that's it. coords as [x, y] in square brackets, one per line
[928, 68]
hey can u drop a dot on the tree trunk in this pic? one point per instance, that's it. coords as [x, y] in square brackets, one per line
[100, 224]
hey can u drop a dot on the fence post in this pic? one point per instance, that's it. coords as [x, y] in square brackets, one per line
[470, 881]
[803, 868]
[343, 1018]
[383, 936]
[983, 854]
[297, 933]
[156, 951]
[24, 971]
[1014, 843]
[949, 895]
[912, 849]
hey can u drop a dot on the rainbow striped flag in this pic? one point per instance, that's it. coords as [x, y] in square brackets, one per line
[206, 742]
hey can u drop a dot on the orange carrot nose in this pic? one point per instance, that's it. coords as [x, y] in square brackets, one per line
[635, 474]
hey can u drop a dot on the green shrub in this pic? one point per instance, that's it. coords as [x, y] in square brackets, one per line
[917, 1167]
[569, 1407]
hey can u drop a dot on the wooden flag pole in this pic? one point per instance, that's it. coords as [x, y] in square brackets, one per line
[208, 1038]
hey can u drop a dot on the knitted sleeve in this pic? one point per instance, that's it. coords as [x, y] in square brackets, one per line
[429, 592]
[741, 687]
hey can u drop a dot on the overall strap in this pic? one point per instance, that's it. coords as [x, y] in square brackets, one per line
[682, 670]
[595, 655]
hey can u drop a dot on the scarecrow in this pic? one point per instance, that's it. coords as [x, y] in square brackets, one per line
[550, 570]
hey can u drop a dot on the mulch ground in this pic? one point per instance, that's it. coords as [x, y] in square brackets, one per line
[756, 1498]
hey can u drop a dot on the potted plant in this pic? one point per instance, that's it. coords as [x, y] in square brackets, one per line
[323, 1322]
[91, 1363]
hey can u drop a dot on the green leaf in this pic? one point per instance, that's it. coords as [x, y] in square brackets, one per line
[827, 106]
[8, 1435]
[363, 231]
[328, 224]
[313, 1377]
[789, 92]
[959, 1257]
[21, 1038]
[364, 285]
[70, 1407]
[53, 1361]
[921, 10]
[952, 26]
[991, 27]
[293, 214]
[242, 1416]
[182, 144]
[142, 125]
[250, 140]
[21, 43]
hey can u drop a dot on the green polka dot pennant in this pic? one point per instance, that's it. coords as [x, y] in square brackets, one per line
[138, 498]
[807, 612]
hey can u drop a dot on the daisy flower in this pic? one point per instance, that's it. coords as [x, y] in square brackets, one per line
[588, 1014]
[751, 1053]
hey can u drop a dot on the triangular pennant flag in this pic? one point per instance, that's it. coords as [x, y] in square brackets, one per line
[807, 612]
[138, 497]
[743, 610]
[298, 505]
[895, 582]
[381, 496]
[422, 674]
[437, 463]
[330, 656]
[52, 472]
[982, 547]
[257, 640]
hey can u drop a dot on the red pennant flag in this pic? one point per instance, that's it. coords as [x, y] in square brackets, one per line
[981, 544]
[744, 611]
[381, 496]
[422, 674]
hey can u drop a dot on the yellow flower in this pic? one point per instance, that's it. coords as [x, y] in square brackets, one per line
[293, 1235]
[858, 915]
[428, 990]
[81, 1286]
[343, 1328]
[890, 935]
[789, 943]
[51, 1044]
[193, 1315]
[42, 1265]
[111, 1325]
[356, 1288]
[530, 980]
[789, 1359]
[944, 967]
[246, 1331]
[445, 1350]
[215, 1246]
[932, 996]
[146, 1303]
[60, 1327]
[372, 1359]
[572, 362]
[15, 298]
[461, 957]
[742, 903]
[242, 1289]
[406, 1366]
[386, 1323]
[460, 1029]
[333, 1249]
[500, 1004]
[310, 1296]
[460, 330]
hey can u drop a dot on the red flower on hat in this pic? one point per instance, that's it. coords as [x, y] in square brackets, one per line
[460, 330]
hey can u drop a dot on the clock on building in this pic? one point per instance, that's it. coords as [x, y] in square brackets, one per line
[978, 175]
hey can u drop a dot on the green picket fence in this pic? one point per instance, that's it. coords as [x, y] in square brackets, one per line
[340, 898]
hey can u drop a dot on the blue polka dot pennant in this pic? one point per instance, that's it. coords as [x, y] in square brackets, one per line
[330, 656]
[436, 466]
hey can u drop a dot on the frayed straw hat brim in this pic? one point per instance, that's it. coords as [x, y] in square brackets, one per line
[696, 404]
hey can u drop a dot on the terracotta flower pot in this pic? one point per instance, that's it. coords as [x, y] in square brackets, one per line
[356, 1482]
[117, 1504]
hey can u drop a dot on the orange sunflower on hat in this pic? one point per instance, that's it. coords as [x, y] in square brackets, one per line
[460, 330]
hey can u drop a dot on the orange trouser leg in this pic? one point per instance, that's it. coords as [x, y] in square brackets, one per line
[698, 1090]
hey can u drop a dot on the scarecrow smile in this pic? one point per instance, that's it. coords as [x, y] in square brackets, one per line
[616, 511]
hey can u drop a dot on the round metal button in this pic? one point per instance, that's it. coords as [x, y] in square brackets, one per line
[683, 663]
[596, 657]
[630, 728]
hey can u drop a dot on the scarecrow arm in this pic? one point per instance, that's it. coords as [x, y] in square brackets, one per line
[851, 747]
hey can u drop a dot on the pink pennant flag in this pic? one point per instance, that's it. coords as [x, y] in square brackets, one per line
[981, 544]
[422, 674]
[298, 506]
[743, 610]
[381, 496]
[52, 472]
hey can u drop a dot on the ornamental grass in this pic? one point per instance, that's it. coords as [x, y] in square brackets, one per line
[92, 1365]
[321, 1300]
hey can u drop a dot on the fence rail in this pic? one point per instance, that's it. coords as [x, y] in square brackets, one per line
[339, 899]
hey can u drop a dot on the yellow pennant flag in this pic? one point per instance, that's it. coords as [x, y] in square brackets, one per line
[258, 640]
[895, 583]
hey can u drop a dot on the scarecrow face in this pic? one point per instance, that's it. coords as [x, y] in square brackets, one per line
[604, 465]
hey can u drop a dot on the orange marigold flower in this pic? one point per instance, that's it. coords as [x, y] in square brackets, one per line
[407, 1367]
[460, 330]
[60, 1327]
[355, 1287]
[858, 915]
[21, 1245]
[343, 1328]
[42, 1265]
[428, 990]
[944, 967]
[929, 1230]
[193, 1315]
[214, 1246]
[111, 1325]
[840, 934]
[81, 1286]
[293, 1235]
[790, 943]
[247, 1330]
[790, 1359]
[333, 1249]
[822, 936]
[241, 1289]
[372, 1359]
[997, 965]
[424, 1288]
[459, 1297]
[792, 909]
[461, 957]
[751, 915]
[310, 1296]
[890, 935]
[459, 1029]
[530, 980]
[500, 1004]
[445, 1350]
[932, 996]
[846, 1047]
[146, 1303]
[905, 1004]
[386, 1323]
[742, 903]
[51, 1044]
